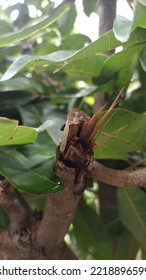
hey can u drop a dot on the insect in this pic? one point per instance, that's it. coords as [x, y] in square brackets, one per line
[79, 138]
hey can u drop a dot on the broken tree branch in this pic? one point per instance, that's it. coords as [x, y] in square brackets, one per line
[58, 214]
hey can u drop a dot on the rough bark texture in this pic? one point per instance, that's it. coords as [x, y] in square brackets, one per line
[32, 235]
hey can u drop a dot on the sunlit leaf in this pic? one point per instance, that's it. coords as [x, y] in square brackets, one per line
[131, 138]
[34, 28]
[12, 134]
[85, 62]
[122, 28]
[30, 61]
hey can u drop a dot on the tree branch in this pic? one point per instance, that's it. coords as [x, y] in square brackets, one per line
[58, 214]
[107, 12]
[13, 203]
[134, 178]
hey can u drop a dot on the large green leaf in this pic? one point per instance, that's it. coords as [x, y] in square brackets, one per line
[86, 66]
[123, 27]
[34, 28]
[131, 138]
[90, 238]
[16, 168]
[87, 61]
[27, 62]
[132, 207]
[13, 134]
[117, 61]
[31, 167]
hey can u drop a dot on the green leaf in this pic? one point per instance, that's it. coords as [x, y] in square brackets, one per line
[75, 42]
[122, 28]
[139, 19]
[136, 101]
[66, 23]
[31, 62]
[111, 220]
[15, 167]
[81, 93]
[21, 83]
[114, 63]
[14, 99]
[89, 6]
[143, 59]
[132, 209]
[109, 42]
[85, 62]
[131, 138]
[12, 134]
[31, 167]
[86, 233]
[38, 114]
[126, 247]
[34, 28]
[85, 67]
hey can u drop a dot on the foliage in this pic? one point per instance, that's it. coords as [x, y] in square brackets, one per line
[43, 65]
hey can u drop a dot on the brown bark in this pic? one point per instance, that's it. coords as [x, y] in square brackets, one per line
[31, 235]
[107, 12]
[120, 178]
[58, 214]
